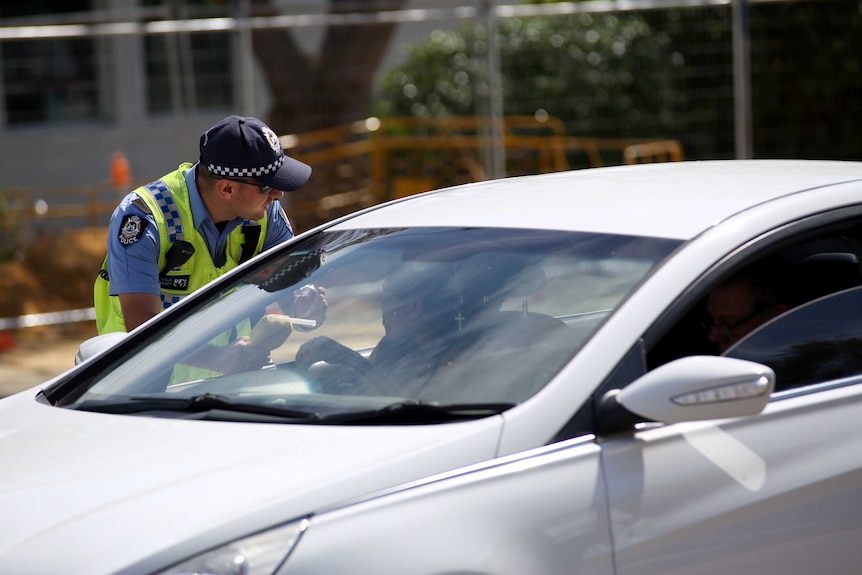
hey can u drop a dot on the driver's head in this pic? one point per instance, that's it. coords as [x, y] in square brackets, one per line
[738, 306]
[413, 299]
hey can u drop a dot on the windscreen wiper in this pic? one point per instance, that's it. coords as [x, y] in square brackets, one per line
[194, 404]
[414, 412]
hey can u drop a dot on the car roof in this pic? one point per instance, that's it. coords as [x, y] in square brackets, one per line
[671, 200]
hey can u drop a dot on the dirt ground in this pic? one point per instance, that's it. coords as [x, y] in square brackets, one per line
[55, 273]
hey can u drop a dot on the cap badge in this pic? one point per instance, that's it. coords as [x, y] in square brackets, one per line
[273, 140]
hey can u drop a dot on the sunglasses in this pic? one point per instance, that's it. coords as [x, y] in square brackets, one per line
[263, 189]
[728, 331]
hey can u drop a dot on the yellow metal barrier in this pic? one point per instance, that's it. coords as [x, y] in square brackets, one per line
[86, 203]
[646, 152]
[371, 161]
[367, 162]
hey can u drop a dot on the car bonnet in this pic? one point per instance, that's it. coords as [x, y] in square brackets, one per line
[105, 491]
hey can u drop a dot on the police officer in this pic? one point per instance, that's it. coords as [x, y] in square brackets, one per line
[170, 237]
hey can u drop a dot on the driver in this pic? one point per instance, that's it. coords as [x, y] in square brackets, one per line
[415, 325]
[738, 306]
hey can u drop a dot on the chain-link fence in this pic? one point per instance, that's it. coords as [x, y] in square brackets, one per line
[784, 78]
[805, 78]
[523, 87]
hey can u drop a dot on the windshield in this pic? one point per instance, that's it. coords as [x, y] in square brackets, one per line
[360, 322]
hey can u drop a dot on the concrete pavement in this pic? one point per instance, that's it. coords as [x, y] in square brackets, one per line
[32, 362]
[14, 379]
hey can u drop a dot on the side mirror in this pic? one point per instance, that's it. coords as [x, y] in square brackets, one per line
[689, 389]
[96, 345]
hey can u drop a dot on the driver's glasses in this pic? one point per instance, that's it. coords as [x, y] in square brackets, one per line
[729, 331]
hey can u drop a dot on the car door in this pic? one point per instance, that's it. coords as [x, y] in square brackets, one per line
[779, 492]
[539, 512]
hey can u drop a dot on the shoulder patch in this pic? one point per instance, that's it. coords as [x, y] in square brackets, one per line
[132, 229]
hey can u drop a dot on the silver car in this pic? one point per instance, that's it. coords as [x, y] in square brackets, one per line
[639, 369]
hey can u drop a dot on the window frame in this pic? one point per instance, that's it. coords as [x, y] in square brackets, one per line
[776, 240]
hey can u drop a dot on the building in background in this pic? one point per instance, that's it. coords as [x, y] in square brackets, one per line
[80, 79]
[69, 102]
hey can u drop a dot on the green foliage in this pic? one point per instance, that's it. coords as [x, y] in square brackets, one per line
[807, 79]
[601, 72]
[436, 80]
[805, 64]
[664, 73]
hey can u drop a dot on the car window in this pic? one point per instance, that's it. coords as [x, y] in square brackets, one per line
[791, 274]
[429, 315]
[817, 342]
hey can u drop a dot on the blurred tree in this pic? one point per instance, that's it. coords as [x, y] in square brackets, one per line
[603, 74]
[331, 87]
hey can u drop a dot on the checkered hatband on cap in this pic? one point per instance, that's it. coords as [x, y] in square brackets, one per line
[240, 147]
[245, 172]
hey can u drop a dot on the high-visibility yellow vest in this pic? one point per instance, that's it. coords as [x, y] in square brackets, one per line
[167, 200]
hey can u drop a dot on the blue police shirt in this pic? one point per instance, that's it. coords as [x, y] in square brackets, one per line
[134, 268]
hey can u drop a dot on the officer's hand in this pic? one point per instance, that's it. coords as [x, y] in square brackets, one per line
[309, 302]
[239, 357]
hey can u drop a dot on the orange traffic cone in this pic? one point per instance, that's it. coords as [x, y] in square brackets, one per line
[121, 173]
